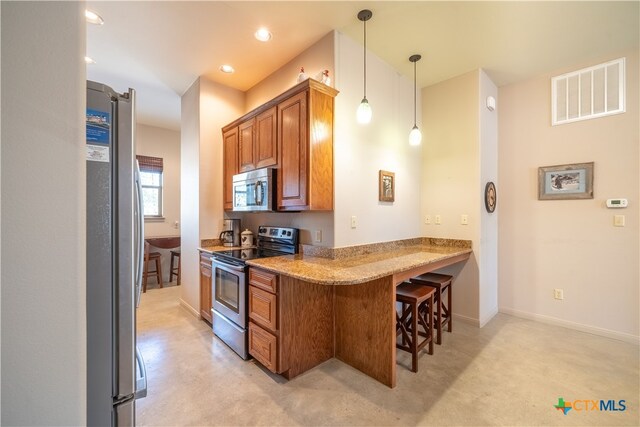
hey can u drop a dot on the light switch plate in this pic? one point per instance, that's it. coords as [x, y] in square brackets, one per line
[464, 219]
[427, 219]
[354, 221]
[618, 220]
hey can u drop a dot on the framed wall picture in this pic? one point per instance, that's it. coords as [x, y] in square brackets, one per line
[562, 182]
[386, 186]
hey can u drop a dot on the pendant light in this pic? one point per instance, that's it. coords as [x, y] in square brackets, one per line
[363, 114]
[415, 137]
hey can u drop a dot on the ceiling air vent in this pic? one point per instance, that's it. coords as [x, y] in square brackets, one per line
[588, 93]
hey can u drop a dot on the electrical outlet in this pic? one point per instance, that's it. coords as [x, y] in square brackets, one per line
[427, 219]
[558, 294]
[354, 221]
[438, 220]
[464, 219]
[318, 236]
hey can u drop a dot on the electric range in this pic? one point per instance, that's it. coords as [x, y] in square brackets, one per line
[230, 283]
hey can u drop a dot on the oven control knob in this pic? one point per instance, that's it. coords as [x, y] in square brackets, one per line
[288, 233]
[262, 230]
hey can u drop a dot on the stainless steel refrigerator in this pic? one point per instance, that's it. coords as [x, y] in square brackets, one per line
[115, 233]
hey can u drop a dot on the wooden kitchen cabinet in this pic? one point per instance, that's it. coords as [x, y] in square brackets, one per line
[258, 141]
[264, 333]
[305, 149]
[266, 142]
[246, 145]
[293, 133]
[230, 164]
[205, 287]
[290, 322]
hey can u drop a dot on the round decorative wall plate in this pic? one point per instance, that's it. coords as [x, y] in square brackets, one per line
[490, 196]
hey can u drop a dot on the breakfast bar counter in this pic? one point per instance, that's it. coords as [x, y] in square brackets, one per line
[364, 268]
[343, 306]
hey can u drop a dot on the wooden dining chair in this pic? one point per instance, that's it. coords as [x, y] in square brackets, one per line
[148, 258]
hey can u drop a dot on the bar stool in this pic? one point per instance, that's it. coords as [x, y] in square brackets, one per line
[442, 283]
[417, 311]
[175, 271]
[151, 257]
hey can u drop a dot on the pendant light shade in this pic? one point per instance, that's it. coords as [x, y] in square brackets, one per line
[363, 114]
[415, 136]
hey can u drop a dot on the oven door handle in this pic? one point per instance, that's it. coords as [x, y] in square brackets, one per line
[227, 265]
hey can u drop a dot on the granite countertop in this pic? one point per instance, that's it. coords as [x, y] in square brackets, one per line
[358, 268]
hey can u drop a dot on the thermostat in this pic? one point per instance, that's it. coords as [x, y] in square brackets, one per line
[617, 203]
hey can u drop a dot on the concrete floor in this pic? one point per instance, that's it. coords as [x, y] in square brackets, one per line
[511, 372]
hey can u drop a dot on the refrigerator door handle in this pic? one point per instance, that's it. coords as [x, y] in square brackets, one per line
[139, 242]
[141, 377]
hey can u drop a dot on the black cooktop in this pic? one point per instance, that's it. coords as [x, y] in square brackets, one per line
[247, 254]
[272, 241]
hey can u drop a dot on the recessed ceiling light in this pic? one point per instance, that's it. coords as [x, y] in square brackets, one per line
[226, 69]
[92, 17]
[263, 35]
[89, 60]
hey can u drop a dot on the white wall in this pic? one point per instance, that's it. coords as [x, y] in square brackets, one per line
[164, 143]
[362, 150]
[569, 244]
[43, 214]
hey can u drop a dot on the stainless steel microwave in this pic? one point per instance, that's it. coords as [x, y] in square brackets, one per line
[254, 191]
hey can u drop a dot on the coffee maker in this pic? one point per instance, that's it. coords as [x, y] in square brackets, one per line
[230, 235]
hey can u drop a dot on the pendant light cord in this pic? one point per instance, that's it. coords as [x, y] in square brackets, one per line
[414, 93]
[365, 59]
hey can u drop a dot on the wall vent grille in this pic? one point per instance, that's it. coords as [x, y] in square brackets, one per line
[589, 93]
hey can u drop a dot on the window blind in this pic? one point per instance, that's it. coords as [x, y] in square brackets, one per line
[150, 164]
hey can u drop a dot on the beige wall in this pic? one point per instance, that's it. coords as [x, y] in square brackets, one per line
[43, 214]
[190, 198]
[206, 107]
[451, 178]
[219, 105]
[165, 143]
[314, 59]
[569, 244]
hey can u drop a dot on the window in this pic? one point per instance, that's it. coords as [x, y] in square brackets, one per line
[151, 180]
[588, 93]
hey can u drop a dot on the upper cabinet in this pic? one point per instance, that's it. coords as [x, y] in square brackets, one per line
[230, 164]
[246, 135]
[266, 151]
[294, 134]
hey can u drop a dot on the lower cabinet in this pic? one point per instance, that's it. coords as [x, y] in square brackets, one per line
[263, 346]
[264, 327]
[205, 287]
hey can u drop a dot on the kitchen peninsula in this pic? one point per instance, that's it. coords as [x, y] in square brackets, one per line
[306, 309]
